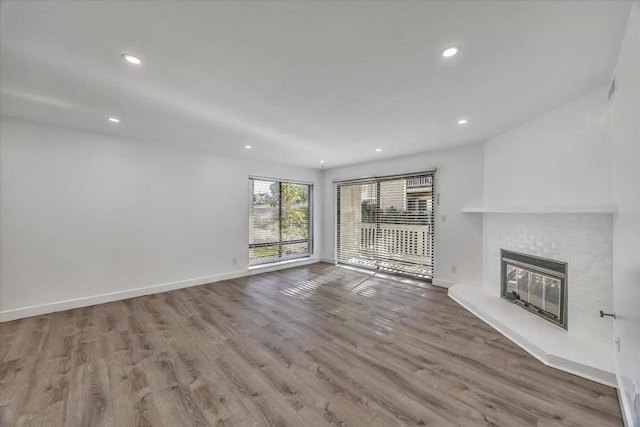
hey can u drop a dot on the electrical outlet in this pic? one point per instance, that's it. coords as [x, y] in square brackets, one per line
[234, 261]
[454, 269]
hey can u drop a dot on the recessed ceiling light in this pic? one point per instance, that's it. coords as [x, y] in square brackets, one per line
[114, 120]
[450, 51]
[378, 149]
[131, 59]
[248, 147]
[463, 121]
[322, 162]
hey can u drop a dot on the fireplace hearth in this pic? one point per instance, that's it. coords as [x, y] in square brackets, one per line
[536, 284]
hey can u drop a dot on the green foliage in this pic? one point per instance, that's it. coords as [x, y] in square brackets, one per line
[291, 193]
[295, 207]
[368, 210]
[265, 251]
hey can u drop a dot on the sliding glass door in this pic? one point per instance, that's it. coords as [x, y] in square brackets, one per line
[387, 223]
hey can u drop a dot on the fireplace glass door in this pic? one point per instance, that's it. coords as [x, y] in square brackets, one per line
[538, 290]
[536, 284]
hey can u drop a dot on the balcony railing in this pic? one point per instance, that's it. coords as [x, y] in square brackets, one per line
[419, 181]
[408, 245]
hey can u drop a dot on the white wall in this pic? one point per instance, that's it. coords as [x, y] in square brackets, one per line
[562, 157]
[584, 153]
[625, 131]
[85, 214]
[459, 177]
[558, 160]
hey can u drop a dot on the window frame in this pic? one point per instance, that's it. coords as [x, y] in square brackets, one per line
[280, 244]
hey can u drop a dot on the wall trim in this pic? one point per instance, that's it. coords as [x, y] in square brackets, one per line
[442, 283]
[52, 307]
[561, 363]
[626, 407]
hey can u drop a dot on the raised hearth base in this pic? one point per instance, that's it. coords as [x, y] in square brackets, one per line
[550, 344]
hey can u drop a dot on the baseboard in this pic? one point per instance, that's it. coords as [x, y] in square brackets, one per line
[563, 364]
[626, 407]
[442, 283]
[36, 310]
[280, 266]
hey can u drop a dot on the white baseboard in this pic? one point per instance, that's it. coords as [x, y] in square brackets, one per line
[589, 372]
[280, 265]
[626, 407]
[36, 310]
[442, 283]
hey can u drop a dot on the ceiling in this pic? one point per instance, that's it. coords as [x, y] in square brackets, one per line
[303, 81]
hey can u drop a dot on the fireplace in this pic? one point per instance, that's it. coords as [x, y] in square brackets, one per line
[535, 284]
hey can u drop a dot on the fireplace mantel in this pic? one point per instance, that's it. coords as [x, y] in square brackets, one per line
[544, 209]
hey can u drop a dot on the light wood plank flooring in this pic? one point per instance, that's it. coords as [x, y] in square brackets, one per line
[309, 346]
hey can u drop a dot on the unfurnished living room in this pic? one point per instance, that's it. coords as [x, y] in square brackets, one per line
[320, 213]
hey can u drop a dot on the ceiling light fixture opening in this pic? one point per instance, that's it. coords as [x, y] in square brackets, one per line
[248, 147]
[114, 120]
[450, 51]
[321, 161]
[463, 121]
[378, 149]
[131, 59]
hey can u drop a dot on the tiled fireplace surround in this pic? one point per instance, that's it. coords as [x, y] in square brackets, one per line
[584, 241]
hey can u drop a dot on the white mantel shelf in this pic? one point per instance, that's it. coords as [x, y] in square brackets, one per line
[544, 209]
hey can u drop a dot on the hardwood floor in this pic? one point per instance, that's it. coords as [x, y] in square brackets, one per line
[309, 346]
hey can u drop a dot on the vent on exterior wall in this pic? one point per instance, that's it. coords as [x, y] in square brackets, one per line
[612, 89]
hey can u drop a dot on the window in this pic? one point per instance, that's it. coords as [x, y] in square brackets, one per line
[279, 220]
[387, 223]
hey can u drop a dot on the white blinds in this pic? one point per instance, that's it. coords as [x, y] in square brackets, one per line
[279, 221]
[387, 223]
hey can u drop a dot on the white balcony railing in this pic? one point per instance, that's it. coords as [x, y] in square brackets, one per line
[407, 243]
[419, 181]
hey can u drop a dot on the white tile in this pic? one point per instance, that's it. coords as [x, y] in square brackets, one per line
[582, 240]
